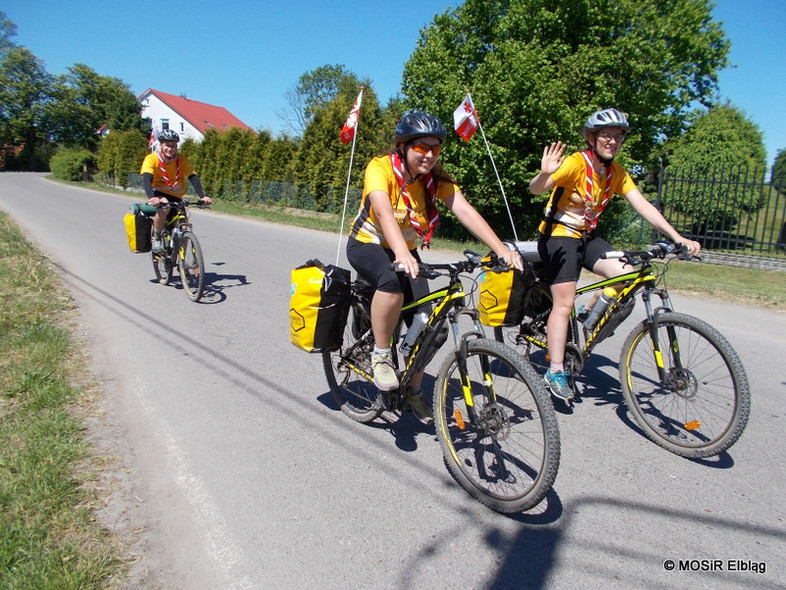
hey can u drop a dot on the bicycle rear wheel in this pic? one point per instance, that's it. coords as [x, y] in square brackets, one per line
[192, 266]
[348, 370]
[703, 408]
[506, 453]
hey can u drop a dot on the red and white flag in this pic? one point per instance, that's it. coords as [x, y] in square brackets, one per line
[153, 137]
[465, 119]
[348, 130]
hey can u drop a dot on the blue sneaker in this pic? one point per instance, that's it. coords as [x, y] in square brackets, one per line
[558, 385]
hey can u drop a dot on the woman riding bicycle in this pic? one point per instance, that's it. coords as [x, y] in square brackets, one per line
[399, 205]
[582, 185]
[164, 176]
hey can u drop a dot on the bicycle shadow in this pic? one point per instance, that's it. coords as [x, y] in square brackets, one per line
[403, 426]
[214, 288]
[595, 383]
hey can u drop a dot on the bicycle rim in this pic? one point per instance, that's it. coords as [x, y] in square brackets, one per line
[507, 458]
[705, 408]
[348, 371]
[192, 266]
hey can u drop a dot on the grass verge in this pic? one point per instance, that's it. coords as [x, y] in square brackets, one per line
[49, 538]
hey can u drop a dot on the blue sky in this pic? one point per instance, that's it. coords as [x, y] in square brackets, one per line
[245, 54]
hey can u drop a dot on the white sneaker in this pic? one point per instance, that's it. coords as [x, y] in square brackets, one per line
[158, 245]
[385, 377]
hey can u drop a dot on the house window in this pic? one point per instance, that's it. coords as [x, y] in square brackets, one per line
[164, 124]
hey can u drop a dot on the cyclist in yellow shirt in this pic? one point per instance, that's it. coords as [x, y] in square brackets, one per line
[582, 185]
[399, 206]
[164, 176]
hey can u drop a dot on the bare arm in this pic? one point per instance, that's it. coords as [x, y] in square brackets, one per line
[655, 218]
[480, 228]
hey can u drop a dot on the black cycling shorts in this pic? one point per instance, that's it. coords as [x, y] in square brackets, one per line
[372, 263]
[563, 257]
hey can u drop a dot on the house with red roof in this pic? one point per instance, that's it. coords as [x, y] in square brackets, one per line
[190, 118]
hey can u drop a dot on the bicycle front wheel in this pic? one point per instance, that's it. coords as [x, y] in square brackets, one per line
[504, 449]
[348, 370]
[192, 266]
[162, 265]
[702, 406]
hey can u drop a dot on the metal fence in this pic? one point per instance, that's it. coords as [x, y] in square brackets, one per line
[731, 210]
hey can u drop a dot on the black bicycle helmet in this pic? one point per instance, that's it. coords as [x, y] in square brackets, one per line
[605, 118]
[415, 125]
[168, 135]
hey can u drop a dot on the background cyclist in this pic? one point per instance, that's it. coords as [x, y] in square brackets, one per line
[581, 185]
[398, 206]
[164, 176]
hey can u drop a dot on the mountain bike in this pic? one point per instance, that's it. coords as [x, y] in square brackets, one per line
[181, 250]
[682, 382]
[495, 422]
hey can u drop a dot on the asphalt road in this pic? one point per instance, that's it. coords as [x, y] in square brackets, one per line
[234, 470]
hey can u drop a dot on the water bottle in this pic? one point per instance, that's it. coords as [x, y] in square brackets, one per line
[609, 293]
[418, 323]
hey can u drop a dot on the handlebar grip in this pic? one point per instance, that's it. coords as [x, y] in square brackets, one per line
[612, 254]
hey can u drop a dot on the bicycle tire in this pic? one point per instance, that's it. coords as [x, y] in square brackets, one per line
[162, 263]
[708, 410]
[348, 369]
[508, 459]
[192, 266]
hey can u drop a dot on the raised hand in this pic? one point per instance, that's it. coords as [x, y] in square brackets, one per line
[552, 157]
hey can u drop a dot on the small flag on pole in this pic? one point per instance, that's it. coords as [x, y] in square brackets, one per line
[465, 119]
[348, 130]
[153, 137]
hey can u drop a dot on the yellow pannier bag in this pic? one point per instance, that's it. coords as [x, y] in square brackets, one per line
[138, 224]
[318, 306]
[501, 298]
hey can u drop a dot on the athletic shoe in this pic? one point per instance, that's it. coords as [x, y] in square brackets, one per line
[558, 385]
[385, 377]
[158, 245]
[420, 408]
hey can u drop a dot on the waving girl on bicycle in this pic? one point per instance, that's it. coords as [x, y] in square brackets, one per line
[398, 206]
[582, 185]
[164, 176]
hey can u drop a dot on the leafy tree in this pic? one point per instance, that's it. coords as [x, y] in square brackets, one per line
[322, 161]
[7, 30]
[120, 154]
[25, 90]
[724, 145]
[84, 101]
[314, 90]
[537, 69]
[779, 169]
[277, 161]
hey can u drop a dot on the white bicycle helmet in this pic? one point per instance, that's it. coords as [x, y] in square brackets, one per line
[605, 118]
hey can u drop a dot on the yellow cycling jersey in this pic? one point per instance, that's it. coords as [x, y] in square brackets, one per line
[168, 178]
[568, 204]
[380, 177]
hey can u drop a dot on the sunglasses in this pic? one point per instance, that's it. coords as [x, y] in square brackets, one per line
[424, 148]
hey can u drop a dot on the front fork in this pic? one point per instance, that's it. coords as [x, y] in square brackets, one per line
[462, 344]
[653, 315]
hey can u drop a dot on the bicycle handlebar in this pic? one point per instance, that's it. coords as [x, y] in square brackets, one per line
[199, 204]
[659, 250]
[473, 261]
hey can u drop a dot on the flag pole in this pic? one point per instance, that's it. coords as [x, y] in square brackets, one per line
[493, 165]
[349, 175]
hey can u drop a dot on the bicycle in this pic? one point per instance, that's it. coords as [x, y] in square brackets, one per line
[497, 428]
[682, 381]
[181, 250]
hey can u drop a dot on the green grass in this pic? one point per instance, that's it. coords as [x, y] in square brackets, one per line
[48, 535]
